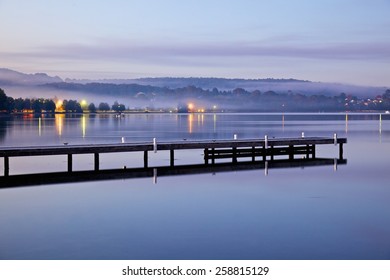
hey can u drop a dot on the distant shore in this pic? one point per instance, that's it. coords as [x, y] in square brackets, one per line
[121, 114]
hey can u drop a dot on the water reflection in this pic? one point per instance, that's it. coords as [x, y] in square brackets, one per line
[59, 122]
[190, 122]
[4, 122]
[40, 126]
[314, 213]
[83, 126]
[27, 129]
[163, 171]
[215, 123]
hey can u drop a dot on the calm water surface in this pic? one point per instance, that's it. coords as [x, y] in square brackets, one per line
[297, 213]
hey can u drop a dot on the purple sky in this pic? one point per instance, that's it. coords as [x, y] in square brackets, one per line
[331, 41]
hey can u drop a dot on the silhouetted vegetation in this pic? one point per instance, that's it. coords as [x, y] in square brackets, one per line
[104, 107]
[118, 107]
[92, 108]
[238, 99]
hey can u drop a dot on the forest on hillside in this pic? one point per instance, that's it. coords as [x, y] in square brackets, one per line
[237, 100]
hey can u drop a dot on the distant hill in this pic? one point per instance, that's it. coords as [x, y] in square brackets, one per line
[113, 87]
[254, 95]
[222, 84]
[11, 77]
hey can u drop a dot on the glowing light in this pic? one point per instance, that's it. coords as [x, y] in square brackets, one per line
[84, 104]
[59, 106]
[190, 107]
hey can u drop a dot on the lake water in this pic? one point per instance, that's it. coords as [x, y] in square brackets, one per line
[322, 212]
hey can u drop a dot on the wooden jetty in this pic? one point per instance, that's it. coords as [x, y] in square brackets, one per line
[213, 149]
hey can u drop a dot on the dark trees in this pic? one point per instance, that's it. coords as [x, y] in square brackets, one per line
[92, 108]
[118, 107]
[3, 101]
[72, 106]
[104, 107]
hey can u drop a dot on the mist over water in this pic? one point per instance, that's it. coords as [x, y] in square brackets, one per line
[323, 212]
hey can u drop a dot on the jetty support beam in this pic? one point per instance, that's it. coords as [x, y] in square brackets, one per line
[234, 157]
[70, 162]
[145, 159]
[290, 152]
[172, 158]
[6, 166]
[96, 161]
[314, 152]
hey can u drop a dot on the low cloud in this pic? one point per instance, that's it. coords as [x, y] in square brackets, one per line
[167, 52]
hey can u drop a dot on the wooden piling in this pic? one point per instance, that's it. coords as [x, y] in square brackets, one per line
[291, 152]
[172, 157]
[307, 151]
[314, 151]
[145, 159]
[6, 166]
[234, 157]
[96, 161]
[206, 156]
[70, 163]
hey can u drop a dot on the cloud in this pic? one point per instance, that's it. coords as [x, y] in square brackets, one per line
[176, 51]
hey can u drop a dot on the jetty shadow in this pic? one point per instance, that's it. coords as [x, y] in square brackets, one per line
[160, 171]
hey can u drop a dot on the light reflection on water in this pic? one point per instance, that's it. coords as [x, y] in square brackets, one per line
[298, 213]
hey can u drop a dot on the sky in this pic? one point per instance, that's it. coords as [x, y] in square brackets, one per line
[342, 41]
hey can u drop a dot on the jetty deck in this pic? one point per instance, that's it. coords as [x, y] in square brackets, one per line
[213, 149]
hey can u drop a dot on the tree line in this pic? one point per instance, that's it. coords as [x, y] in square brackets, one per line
[39, 105]
[236, 100]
